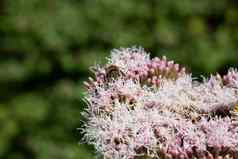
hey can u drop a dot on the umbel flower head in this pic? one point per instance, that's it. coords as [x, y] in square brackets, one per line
[143, 108]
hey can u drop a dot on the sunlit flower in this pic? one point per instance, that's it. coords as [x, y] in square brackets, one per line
[152, 108]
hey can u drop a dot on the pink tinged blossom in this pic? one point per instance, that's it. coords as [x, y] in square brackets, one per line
[151, 108]
[231, 79]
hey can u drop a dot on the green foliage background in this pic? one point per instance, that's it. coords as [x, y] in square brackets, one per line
[46, 47]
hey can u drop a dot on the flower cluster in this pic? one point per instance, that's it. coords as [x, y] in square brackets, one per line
[135, 63]
[153, 109]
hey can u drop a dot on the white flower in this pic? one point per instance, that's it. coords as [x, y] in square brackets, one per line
[154, 109]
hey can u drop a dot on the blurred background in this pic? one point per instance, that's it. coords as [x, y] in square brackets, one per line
[46, 47]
